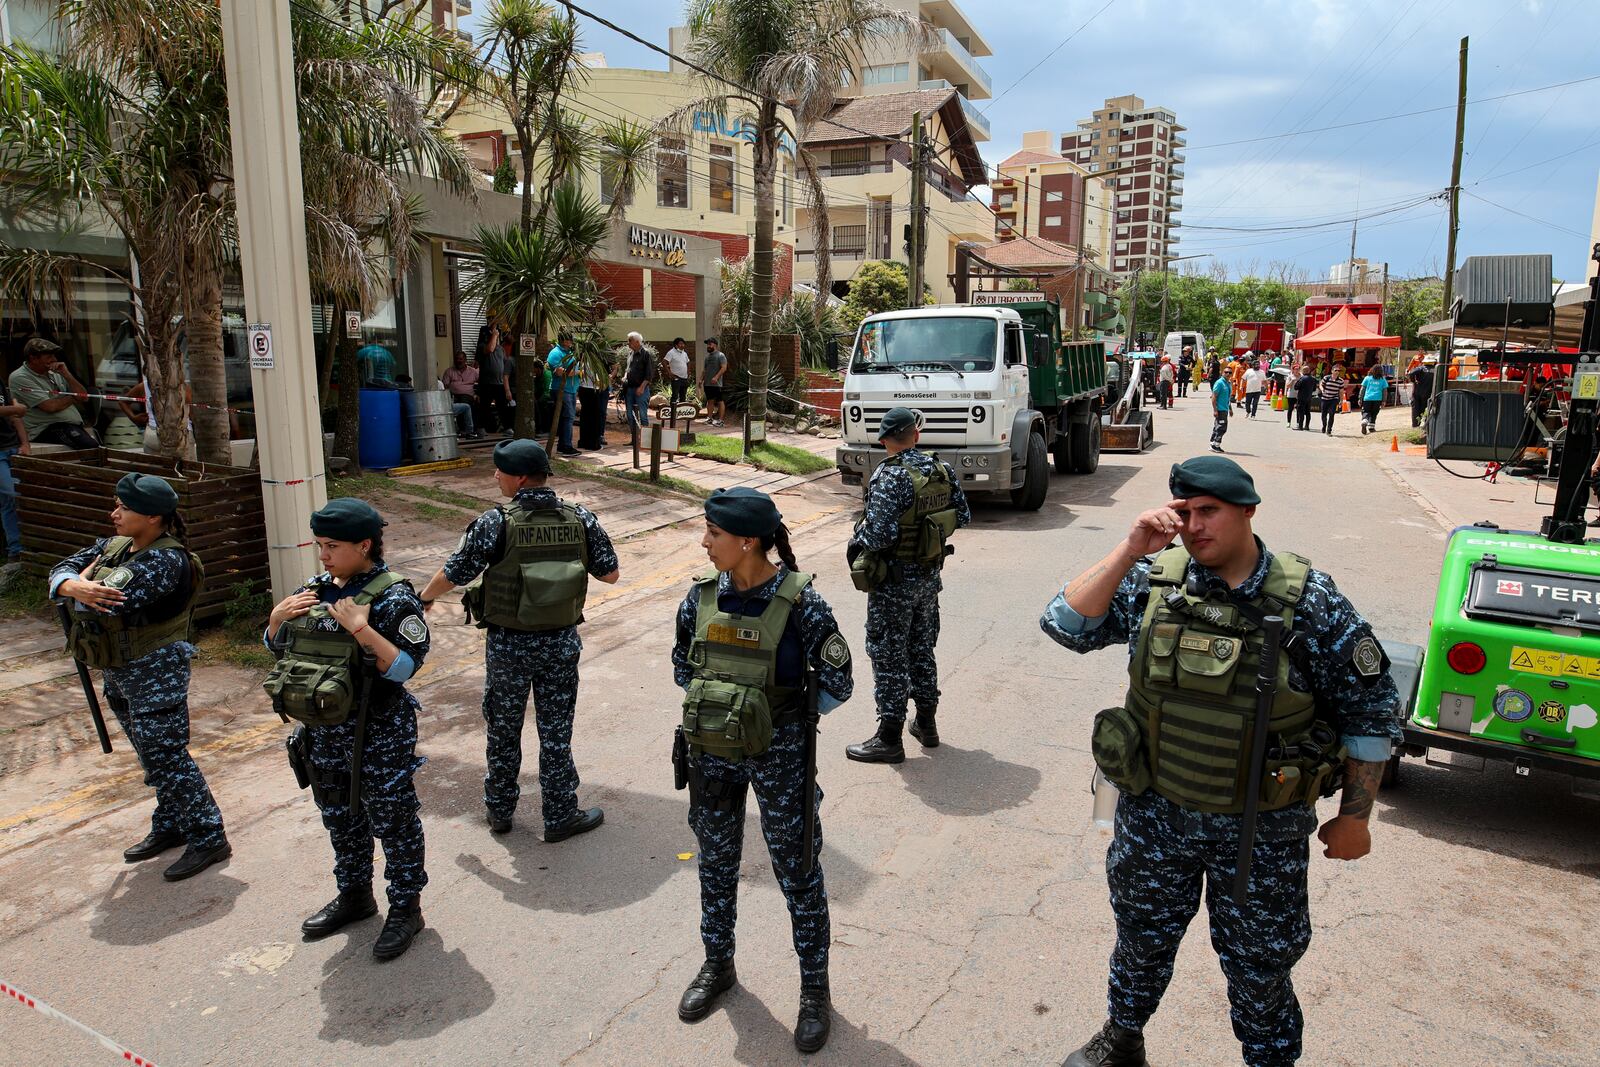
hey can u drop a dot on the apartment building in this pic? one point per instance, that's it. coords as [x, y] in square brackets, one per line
[701, 186]
[1038, 192]
[1143, 144]
[863, 150]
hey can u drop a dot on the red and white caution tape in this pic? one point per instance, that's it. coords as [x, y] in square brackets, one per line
[294, 548]
[128, 1055]
[294, 481]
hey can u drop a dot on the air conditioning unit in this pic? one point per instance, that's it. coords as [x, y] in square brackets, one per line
[1501, 291]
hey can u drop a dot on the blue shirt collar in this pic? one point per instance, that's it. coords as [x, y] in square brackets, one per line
[1210, 581]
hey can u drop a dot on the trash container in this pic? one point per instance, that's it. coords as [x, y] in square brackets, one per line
[431, 420]
[380, 429]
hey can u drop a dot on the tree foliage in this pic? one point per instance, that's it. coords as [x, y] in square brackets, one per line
[880, 285]
[1203, 303]
[1412, 305]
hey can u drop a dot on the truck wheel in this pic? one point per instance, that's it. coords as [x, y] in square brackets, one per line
[1062, 452]
[1086, 445]
[1029, 496]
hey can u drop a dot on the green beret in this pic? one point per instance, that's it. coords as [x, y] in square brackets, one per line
[897, 421]
[1216, 476]
[347, 519]
[147, 495]
[743, 512]
[521, 458]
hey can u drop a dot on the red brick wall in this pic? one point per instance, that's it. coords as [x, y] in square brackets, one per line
[622, 285]
[671, 291]
[736, 246]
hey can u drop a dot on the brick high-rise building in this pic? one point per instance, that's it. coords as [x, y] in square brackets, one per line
[1143, 143]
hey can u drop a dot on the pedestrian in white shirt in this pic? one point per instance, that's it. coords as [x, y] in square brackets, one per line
[678, 367]
[1254, 383]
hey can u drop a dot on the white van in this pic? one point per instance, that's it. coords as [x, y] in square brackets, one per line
[1176, 341]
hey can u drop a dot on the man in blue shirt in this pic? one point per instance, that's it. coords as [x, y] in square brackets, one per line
[1221, 404]
[564, 366]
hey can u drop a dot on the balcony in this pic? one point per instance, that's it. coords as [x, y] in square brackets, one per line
[976, 120]
[1179, 142]
[948, 14]
[463, 8]
[849, 170]
[950, 60]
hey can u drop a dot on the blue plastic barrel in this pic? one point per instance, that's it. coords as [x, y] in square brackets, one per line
[380, 429]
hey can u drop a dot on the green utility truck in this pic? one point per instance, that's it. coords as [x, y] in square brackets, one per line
[1000, 394]
[1511, 671]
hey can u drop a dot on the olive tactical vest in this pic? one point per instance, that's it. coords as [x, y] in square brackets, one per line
[930, 520]
[542, 579]
[1193, 694]
[733, 697]
[99, 640]
[318, 680]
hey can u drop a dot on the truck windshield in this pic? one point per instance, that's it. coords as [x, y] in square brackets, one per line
[932, 343]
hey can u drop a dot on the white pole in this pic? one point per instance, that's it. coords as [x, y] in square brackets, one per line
[258, 55]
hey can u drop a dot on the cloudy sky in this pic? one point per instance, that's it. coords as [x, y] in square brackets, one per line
[1255, 69]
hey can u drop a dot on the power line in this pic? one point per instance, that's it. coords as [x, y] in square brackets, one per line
[1047, 55]
[1391, 118]
[1530, 218]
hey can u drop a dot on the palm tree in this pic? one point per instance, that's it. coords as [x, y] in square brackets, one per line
[627, 152]
[133, 123]
[768, 54]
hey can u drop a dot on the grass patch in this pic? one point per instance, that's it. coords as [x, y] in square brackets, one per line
[1414, 437]
[239, 645]
[666, 486]
[25, 597]
[765, 455]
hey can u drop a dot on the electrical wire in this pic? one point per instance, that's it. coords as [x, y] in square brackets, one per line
[1024, 75]
[1525, 215]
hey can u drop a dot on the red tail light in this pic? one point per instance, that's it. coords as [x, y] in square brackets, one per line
[1466, 658]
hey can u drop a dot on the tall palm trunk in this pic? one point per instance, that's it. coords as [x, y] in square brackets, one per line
[202, 322]
[766, 161]
[527, 390]
[163, 368]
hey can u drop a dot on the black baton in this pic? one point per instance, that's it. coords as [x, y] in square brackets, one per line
[1266, 692]
[808, 802]
[89, 694]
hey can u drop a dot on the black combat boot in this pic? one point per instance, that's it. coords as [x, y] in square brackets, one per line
[816, 1018]
[399, 928]
[883, 746]
[581, 822]
[196, 859]
[923, 729]
[498, 825]
[1111, 1047]
[351, 905]
[153, 845]
[713, 980]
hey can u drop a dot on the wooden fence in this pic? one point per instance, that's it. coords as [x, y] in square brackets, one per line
[64, 501]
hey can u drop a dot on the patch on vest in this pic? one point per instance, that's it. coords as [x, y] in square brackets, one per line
[722, 634]
[413, 629]
[1222, 648]
[118, 578]
[1367, 657]
[835, 652]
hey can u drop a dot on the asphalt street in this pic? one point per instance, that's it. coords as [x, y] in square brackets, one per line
[970, 920]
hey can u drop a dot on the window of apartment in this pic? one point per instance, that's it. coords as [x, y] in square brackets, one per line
[722, 178]
[1008, 199]
[850, 239]
[608, 179]
[672, 173]
[886, 74]
[1053, 196]
[848, 161]
[28, 22]
[1052, 220]
[1094, 167]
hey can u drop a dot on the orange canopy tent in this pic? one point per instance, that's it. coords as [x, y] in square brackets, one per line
[1344, 330]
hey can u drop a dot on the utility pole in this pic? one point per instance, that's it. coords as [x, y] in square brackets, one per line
[1455, 185]
[1166, 287]
[262, 111]
[1133, 308]
[919, 210]
[1083, 223]
[1351, 278]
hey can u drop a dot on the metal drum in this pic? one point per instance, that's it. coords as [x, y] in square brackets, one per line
[432, 424]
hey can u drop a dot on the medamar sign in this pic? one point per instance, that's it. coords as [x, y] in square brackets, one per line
[670, 248]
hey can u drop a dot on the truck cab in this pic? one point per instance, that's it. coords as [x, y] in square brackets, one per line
[997, 390]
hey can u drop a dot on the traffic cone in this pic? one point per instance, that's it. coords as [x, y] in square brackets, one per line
[1394, 443]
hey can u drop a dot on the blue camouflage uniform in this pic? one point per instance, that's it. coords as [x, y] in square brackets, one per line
[777, 776]
[150, 696]
[1161, 853]
[515, 661]
[903, 612]
[389, 760]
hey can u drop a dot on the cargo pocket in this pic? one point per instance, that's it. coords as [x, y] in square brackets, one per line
[1162, 668]
[1206, 662]
[317, 694]
[727, 719]
[1118, 747]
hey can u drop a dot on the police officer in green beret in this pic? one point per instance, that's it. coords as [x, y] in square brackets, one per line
[1197, 619]
[754, 640]
[346, 642]
[536, 556]
[914, 503]
[132, 599]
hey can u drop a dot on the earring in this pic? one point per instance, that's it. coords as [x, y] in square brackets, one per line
[747, 546]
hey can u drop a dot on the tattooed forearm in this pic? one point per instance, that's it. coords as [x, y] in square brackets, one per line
[1090, 593]
[1360, 787]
